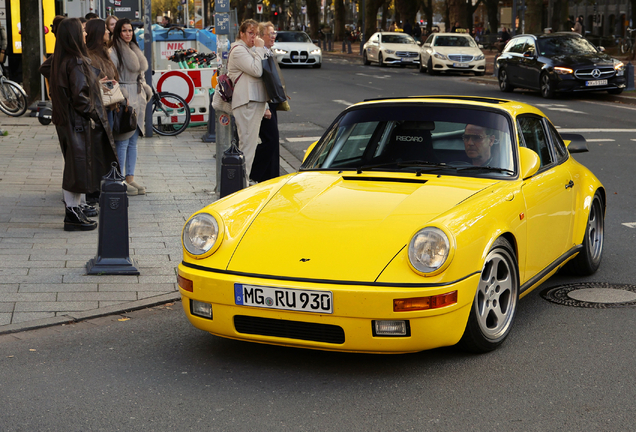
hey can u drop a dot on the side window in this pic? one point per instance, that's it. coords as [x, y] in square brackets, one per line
[535, 138]
[430, 39]
[559, 146]
[517, 46]
[529, 46]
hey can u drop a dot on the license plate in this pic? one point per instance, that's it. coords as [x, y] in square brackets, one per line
[299, 57]
[595, 83]
[461, 65]
[407, 60]
[283, 298]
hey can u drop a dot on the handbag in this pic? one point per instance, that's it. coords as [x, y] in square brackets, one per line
[283, 106]
[111, 96]
[273, 84]
[225, 85]
[218, 103]
[124, 119]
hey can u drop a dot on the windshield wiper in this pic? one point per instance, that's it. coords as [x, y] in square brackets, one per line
[405, 164]
[486, 168]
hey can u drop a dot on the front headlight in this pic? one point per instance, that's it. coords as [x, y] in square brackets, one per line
[279, 51]
[316, 51]
[439, 56]
[201, 234]
[619, 67]
[429, 249]
[563, 70]
[479, 57]
[389, 51]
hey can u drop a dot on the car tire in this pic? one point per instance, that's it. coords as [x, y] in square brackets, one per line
[615, 91]
[504, 81]
[429, 67]
[495, 304]
[317, 65]
[479, 73]
[365, 59]
[589, 259]
[422, 67]
[546, 86]
[381, 60]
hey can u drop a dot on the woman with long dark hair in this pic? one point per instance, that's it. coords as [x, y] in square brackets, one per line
[80, 120]
[97, 39]
[131, 65]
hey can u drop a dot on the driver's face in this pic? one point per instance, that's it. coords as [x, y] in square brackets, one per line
[477, 144]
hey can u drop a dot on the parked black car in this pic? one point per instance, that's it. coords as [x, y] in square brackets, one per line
[558, 62]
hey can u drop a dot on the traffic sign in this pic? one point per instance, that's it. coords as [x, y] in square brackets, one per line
[259, 8]
[222, 6]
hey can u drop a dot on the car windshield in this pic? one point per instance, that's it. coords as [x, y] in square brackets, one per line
[397, 39]
[417, 138]
[293, 37]
[556, 46]
[454, 41]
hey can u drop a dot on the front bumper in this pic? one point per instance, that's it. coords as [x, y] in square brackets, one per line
[299, 58]
[569, 83]
[450, 66]
[349, 328]
[394, 60]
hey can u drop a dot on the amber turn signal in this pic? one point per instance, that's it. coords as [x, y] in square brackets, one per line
[185, 284]
[424, 303]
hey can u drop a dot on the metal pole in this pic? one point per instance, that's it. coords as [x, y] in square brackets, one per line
[363, 31]
[148, 55]
[41, 21]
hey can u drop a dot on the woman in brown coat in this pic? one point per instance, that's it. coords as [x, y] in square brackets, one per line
[80, 120]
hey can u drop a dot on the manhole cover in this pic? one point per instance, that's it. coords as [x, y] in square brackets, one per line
[592, 295]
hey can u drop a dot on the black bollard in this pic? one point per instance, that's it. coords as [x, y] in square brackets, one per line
[113, 253]
[210, 135]
[232, 171]
[629, 74]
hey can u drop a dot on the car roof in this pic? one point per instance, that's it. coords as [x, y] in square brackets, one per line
[549, 35]
[454, 34]
[506, 105]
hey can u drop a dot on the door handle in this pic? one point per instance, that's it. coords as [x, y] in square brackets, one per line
[569, 185]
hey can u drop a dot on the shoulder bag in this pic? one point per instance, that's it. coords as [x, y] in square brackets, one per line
[111, 93]
[124, 119]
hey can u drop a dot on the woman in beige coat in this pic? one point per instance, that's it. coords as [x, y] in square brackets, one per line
[131, 66]
[245, 68]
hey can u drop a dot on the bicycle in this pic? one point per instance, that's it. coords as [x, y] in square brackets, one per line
[627, 43]
[13, 99]
[170, 113]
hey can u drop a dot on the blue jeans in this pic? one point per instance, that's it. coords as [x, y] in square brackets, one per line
[127, 154]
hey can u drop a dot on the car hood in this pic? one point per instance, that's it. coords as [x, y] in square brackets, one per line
[458, 50]
[400, 47]
[295, 46]
[331, 226]
[582, 60]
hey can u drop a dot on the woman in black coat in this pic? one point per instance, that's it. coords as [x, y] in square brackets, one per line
[80, 119]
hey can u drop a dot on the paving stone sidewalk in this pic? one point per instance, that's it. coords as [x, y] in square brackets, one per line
[42, 267]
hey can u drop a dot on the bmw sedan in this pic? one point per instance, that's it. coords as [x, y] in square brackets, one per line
[558, 62]
[295, 48]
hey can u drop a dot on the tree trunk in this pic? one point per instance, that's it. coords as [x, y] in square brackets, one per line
[370, 17]
[492, 9]
[534, 16]
[427, 9]
[313, 13]
[31, 60]
[339, 20]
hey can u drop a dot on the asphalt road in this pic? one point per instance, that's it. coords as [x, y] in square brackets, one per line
[562, 368]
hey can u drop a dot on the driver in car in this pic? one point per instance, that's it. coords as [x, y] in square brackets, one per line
[478, 142]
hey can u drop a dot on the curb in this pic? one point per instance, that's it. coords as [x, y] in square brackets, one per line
[94, 313]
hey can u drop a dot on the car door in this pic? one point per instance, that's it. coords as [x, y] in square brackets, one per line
[513, 62]
[530, 64]
[548, 196]
[426, 49]
[372, 51]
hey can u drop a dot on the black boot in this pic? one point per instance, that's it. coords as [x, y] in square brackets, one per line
[93, 198]
[75, 220]
[89, 210]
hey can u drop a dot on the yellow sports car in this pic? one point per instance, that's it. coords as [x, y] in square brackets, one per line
[413, 223]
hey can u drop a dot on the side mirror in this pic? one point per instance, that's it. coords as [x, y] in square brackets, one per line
[529, 161]
[601, 49]
[308, 151]
[575, 143]
[528, 54]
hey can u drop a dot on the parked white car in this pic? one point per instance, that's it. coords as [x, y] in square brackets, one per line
[456, 52]
[295, 48]
[387, 48]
